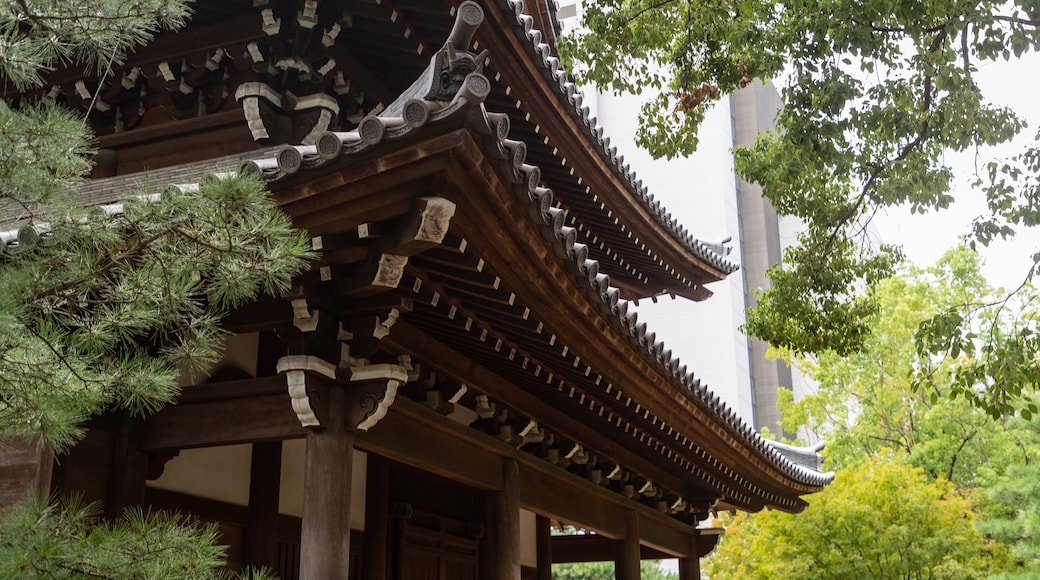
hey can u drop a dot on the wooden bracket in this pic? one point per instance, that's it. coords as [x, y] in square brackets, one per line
[421, 229]
[368, 390]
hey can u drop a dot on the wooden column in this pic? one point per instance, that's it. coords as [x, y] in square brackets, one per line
[328, 469]
[129, 467]
[690, 568]
[626, 551]
[500, 546]
[543, 539]
[377, 519]
[400, 512]
[261, 535]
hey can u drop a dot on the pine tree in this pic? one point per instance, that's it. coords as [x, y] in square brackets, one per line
[101, 308]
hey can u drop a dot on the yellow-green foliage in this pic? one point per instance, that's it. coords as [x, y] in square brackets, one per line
[879, 520]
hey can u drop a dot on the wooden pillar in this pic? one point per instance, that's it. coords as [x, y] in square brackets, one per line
[325, 538]
[377, 519]
[626, 551]
[500, 546]
[400, 512]
[129, 467]
[543, 539]
[690, 568]
[261, 535]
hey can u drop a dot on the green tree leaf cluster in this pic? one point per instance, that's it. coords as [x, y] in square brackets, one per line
[875, 96]
[648, 570]
[68, 540]
[872, 402]
[871, 409]
[881, 519]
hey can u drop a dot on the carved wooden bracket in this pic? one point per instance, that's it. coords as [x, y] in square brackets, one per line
[264, 106]
[421, 229]
[302, 376]
[368, 390]
[372, 390]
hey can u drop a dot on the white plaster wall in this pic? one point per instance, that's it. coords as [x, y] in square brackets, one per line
[218, 473]
[222, 474]
[528, 539]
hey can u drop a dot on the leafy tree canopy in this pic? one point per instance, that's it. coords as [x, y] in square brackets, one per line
[868, 403]
[881, 519]
[875, 94]
[648, 570]
[1011, 515]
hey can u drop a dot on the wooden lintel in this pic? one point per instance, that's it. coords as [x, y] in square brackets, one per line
[594, 548]
[402, 438]
[264, 417]
[416, 436]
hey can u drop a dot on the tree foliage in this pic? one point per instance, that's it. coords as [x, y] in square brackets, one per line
[1011, 515]
[648, 570]
[36, 36]
[103, 307]
[68, 540]
[875, 95]
[881, 519]
[868, 403]
[868, 408]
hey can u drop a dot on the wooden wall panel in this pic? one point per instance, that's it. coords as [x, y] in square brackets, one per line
[25, 471]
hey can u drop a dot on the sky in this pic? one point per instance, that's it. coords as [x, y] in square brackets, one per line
[925, 237]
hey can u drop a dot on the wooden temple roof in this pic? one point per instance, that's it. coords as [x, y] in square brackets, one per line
[520, 314]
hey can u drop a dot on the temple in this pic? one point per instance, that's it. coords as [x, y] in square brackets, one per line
[460, 369]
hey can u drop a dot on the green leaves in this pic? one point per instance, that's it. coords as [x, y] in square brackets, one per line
[35, 35]
[876, 520]
[111, 308]
[68, 539]
[875, 94]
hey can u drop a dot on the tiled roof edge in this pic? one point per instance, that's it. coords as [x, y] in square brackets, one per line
[713, 253]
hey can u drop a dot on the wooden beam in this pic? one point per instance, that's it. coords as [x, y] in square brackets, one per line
[421, 438]
[264, 415]
[594, 548]
[400, 437]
